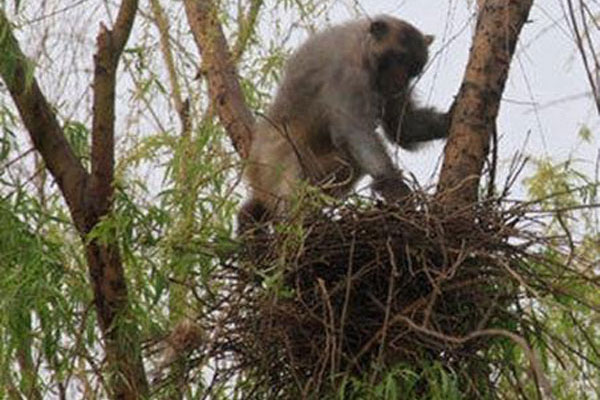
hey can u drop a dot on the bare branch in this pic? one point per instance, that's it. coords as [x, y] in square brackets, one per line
[224, 87]
[579, 40]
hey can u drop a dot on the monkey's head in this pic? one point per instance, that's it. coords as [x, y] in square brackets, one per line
[397, 52]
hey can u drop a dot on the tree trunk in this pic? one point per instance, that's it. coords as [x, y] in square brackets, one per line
[476, 107]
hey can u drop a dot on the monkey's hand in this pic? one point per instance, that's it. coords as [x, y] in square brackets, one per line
[391, 187]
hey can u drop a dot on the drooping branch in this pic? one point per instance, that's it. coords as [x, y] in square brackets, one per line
[476, 106]
[41, 123]
[224, 88]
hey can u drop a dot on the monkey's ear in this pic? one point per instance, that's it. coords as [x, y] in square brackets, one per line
[428, 39]
[378, 29]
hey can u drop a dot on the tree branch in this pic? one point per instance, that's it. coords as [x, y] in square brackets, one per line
[476, 107]
[121, 337]
[246, 28]
[223, 85]
[38, 117]
[110, 46]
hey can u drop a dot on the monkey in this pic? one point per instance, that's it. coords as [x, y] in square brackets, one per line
[337, 88]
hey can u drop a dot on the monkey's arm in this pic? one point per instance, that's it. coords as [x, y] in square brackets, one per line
[410, 127]
[352, 121]
[361, 144]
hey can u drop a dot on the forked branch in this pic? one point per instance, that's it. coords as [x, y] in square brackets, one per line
[88, 197]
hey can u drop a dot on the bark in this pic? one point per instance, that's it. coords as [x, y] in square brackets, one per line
[218, 65]
[476, 107]
[88, 196]
[126, 371]
[110, 46]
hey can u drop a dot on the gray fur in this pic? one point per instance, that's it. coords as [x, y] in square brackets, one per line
[337, 88]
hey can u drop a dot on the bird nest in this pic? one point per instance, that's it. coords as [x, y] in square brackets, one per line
[357, 290]
[420, 301]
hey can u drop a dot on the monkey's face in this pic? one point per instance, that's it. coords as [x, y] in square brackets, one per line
[399, 52]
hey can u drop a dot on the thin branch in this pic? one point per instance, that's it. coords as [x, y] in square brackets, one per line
[586, 31]
[582, 53]
[246, 29]
[181, 106]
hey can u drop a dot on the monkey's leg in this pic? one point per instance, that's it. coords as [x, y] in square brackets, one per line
[253, 228]
[252, 215]
[368, 152]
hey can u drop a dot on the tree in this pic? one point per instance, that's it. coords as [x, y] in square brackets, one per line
[154, 269]
[89, 196]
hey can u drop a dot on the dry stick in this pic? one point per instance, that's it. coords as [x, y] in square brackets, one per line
[388, 307]
[579, 42]
[330, 328]
[347, 294]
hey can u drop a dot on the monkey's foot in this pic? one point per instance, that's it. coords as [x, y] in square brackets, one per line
[392, 188]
